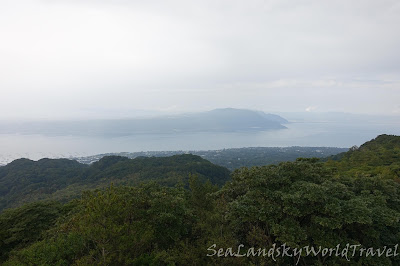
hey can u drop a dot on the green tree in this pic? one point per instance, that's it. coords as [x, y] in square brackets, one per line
[22, 226]
[302, 204]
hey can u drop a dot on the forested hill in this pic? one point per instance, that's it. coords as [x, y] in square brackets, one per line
[298, 204]
[24, 180]
[380, 156]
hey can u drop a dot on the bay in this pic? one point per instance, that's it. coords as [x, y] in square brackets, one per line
[311, 134]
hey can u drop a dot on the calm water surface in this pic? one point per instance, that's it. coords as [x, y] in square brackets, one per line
[297, 134]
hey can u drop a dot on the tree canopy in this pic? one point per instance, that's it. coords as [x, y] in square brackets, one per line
[306, 203]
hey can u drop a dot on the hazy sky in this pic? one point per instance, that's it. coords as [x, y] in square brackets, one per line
[69, 58]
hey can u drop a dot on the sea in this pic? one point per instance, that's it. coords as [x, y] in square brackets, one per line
[306, 134]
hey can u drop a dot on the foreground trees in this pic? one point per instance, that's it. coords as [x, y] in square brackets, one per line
[298, 204]
[303, 204]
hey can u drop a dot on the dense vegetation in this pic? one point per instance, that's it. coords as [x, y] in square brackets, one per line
[380, 156]
[25, 181]
[297, 204]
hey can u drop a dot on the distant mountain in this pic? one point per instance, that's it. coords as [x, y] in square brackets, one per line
[229, 119]
[23, 180]
[273, 117]
[219, 120]
[339, 117]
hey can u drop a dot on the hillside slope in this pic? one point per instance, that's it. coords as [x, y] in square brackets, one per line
[380, 156]
[25, 181]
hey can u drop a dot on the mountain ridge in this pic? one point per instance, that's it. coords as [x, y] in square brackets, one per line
[379, 156]
[24, 180]
[218, 120]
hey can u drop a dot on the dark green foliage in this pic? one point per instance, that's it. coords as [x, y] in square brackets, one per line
[166, 170]
[301, 203]
[22, 226]
[380, 156]
[144, 225]
[25, 181]
[118, 226]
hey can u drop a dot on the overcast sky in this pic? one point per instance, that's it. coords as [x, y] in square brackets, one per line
[70, 58]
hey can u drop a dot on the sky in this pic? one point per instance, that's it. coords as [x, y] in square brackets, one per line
[118, 58]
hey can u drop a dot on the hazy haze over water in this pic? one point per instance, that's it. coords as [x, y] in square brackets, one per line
[314, 134]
